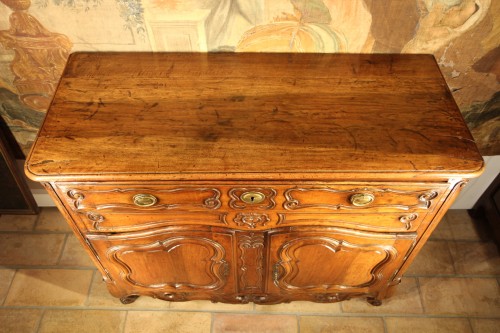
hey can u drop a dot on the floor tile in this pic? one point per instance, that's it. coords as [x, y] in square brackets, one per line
[49, 287]
[300, 307]
[6, 276]
[51, 220]
[428, 325]
[17, 222]
[171, 322]
[464, 227]
[433, 259]
[19, 320]
[82, 321]
[243, 323]
[99, 296]
[485, 325]
[313, 324]
[442, 231]
[463, 296]
[475, 257]
[209, 306]
[30, 249]
[406, 299]
[473, 296]
[74, 254]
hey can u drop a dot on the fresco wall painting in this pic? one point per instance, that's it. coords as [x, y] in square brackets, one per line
[37, 36]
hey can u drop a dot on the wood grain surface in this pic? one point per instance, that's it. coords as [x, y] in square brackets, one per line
[220, 116]
[261, 178]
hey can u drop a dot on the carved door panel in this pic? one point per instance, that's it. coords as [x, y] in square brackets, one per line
[167, 261]
[335, 260]
[251, 254]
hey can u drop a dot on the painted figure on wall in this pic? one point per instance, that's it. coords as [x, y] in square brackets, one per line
[40, 56]
[463, 35]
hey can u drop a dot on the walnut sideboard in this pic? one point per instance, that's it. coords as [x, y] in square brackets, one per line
[262, 178]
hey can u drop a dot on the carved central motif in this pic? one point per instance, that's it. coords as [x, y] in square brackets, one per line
[236, 201]
[251, 220]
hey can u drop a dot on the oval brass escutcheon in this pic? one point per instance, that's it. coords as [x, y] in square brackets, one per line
[362, 199]
[144, 200]
[252, 197]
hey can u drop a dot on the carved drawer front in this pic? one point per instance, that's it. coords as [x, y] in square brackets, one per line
[255, 198]
[167, 261]
[348, 198]
[127, 208]
[381, 222]
[93, 221]
[334, 260]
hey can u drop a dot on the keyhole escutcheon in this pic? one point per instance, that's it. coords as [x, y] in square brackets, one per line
[252, 197]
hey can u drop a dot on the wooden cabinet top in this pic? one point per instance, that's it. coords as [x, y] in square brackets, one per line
[222, 116]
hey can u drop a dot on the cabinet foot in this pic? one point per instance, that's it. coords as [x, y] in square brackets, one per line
[129, 299]
[373, 301]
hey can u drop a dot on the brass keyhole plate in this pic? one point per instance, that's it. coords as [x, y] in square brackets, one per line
[252, 197]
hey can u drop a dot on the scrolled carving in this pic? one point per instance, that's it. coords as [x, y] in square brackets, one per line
[277, 272]
[290, 202]
[427, 197]
[251, 220]
[129, 299]
[237, 203]
[408, 219]
[95, 218]
[224, 269]
[77, 197]
[273, 298]
[332, 297]
[374, 301]
[213, 202]
[258, 299]
[174, 297]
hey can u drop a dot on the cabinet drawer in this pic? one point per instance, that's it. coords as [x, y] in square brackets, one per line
[130, 207]
[139, 199]
[345, 198]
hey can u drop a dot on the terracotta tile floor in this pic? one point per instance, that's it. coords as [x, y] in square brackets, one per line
[47, 284]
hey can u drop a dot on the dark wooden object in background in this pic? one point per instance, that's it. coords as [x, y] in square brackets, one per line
[15, 196]
[488, 206]
[253, 177]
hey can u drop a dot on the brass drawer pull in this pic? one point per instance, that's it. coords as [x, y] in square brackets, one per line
[144, 200]
[252, 197]
[362, 199]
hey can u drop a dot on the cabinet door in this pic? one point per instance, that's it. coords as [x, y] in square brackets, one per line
[335, 260]
[168, 260]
